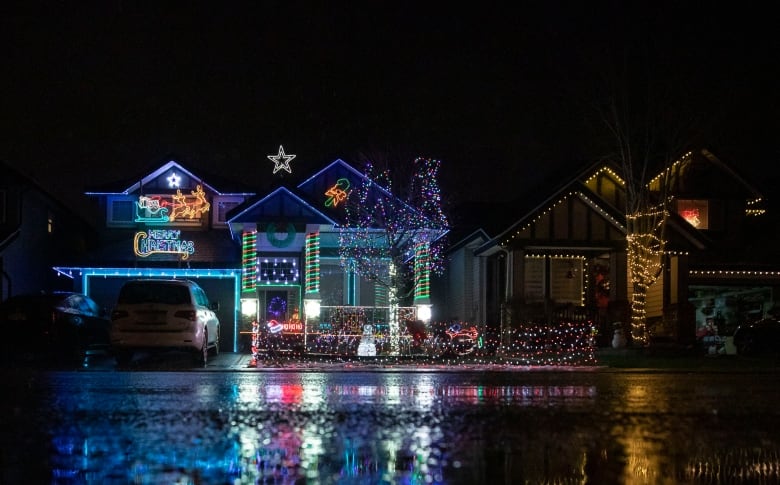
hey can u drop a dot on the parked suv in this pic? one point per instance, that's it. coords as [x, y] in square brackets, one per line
[160, 314]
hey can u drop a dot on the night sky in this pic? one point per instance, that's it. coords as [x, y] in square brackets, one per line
[96, 92]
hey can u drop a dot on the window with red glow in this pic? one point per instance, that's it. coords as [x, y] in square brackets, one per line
[695, 212]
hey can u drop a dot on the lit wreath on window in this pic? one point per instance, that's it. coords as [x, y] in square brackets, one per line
[270, 233]
[277, 306]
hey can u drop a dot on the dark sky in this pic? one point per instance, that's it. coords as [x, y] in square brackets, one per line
[501, 93]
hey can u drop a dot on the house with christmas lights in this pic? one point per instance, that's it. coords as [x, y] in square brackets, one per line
[37, 231]
[274, 260]
[167, 223]
[566, 259]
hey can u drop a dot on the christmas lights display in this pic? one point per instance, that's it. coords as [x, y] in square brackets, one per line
[160, 209]
[161, 241]
[312, 263]
[277, 307]
[189, 207]
[645, 252]
[560, 344]
[249, 261]
[173, 180]
[422, 272]
[382, 232]
[255, 345]
[280, 242]
[338, 193]
[281, 160]
[278, 271]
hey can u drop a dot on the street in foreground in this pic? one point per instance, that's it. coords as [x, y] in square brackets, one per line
[388, 426]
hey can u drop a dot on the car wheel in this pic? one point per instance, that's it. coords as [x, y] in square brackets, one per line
[215, 348]
[202, 355]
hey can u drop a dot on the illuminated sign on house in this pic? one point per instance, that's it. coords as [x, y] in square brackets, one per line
[160, 209]
[161, 241]
[337, 193]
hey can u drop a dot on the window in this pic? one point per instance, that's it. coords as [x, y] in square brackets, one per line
[121, 211]
[223, 205]
[696, 212]
[559, 278]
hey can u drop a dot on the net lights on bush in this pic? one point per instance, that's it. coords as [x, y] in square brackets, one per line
[562, 343]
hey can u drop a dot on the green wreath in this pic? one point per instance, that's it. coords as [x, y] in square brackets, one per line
[270, 233]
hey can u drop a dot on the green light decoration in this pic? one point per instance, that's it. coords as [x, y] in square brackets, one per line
[270, 234]
[422, 271]
[312, 265]
[249, 261]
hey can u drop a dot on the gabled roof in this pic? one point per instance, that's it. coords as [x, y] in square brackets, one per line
[280, 204]
[698, 173]
[575, 188]
[168, 169]
[478, 238]
[334, 175]
[339, 176]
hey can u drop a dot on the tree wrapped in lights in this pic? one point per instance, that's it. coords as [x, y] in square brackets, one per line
[647, 201]
[384, 227]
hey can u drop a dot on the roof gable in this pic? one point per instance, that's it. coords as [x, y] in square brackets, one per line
[280, 205]
[701, 174]
[168, 177]
[329, 188]
[571, 216]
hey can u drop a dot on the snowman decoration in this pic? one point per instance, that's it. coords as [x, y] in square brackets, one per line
[618, 338]
[367, 346]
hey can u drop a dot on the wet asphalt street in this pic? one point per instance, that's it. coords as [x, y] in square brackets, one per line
[162, 421]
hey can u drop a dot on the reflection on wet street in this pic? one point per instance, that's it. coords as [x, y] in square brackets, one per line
[389, 427]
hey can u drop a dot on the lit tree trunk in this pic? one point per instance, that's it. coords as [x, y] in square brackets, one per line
[645, 238]
[394, 326]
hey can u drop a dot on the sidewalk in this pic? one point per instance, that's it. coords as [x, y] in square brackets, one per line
[644, 360]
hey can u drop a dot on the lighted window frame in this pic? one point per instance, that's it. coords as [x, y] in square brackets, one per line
[695, 212]
[278, 270]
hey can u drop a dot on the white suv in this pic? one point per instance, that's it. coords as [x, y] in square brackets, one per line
[160, 314]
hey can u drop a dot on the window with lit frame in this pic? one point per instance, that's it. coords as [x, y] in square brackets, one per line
[696, 212]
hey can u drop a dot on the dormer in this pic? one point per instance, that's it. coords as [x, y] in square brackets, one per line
[707, 193]
[170, 196]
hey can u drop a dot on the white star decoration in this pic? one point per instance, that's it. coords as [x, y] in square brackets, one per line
[281, 161]
[173, 180]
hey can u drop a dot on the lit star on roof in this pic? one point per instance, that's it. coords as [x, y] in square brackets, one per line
[281, 160]
[173, 180]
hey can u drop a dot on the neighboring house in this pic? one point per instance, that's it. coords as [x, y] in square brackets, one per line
[37, 232]
[565, 257]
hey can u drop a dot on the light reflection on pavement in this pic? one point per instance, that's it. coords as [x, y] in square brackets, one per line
[387, 427]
